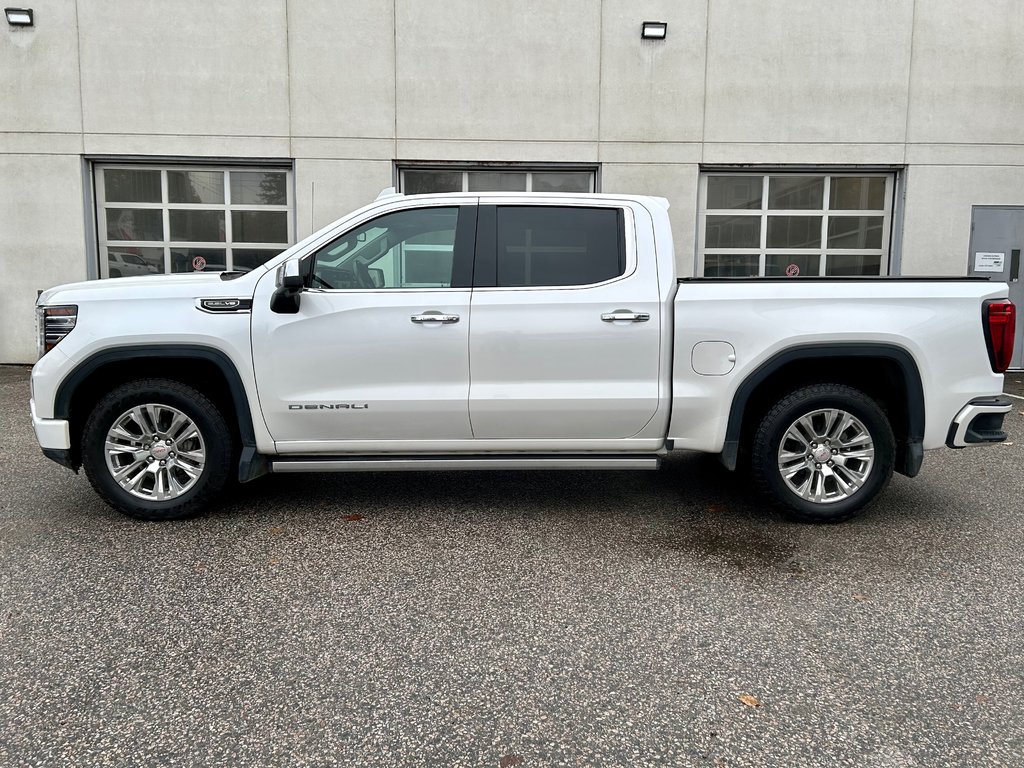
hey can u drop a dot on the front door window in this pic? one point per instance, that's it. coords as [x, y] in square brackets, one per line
[406, 249]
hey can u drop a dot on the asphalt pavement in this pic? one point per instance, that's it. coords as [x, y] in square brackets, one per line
[512, 619]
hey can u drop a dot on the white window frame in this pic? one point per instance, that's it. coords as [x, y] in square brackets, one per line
[467, 168]
[228, 245]
[764, 213]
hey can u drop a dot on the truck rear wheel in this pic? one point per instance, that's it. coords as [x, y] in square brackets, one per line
[156, 449]
[823, 453]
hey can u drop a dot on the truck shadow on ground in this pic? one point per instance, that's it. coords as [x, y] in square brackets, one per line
[692, 508]
[684, 486]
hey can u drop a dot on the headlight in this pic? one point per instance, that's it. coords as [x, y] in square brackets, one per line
[53, 324]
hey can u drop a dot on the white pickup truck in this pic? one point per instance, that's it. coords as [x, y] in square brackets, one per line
[511, 331]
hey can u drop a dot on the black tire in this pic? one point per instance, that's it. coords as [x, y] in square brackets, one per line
[214, 442]
[830, 477]
[115, 273]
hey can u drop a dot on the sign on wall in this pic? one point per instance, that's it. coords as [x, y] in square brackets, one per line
[989, 262]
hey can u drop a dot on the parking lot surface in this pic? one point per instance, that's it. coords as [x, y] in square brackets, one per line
[512, 619]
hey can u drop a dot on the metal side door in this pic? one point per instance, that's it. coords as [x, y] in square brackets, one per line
[574, 360]
[362, 367]
[997, 239]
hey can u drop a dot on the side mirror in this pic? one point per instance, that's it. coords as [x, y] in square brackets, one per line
[377, 276]
[290, 282]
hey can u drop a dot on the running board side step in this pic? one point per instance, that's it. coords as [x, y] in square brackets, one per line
[448, 463]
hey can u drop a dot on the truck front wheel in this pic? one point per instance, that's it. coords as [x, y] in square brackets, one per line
[156, 449]
[823, 453]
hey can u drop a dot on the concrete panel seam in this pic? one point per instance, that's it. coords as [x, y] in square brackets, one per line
[600, 74]
[394, 73]
[910, 77]
[191, 135]
[81, 97]
[475, 140]
[345, 157]
[288, 71]
[42, 133]
[40, 154]
[650, 162]
[704, 101]
[968, 165]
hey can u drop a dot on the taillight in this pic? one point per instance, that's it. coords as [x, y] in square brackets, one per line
[1000, 327]
[54, 323]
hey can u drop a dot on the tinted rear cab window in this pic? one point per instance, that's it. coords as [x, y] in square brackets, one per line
[558, 246]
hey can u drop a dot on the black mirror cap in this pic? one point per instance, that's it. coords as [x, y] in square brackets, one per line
[293, 282]
[285, 300]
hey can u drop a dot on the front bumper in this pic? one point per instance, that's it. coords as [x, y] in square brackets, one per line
[52, 434]
[979, 422]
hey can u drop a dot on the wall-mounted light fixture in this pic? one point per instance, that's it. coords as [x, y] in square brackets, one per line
[19, 17]
[653, 30]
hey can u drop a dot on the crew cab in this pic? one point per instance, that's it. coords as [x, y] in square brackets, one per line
[511, 331]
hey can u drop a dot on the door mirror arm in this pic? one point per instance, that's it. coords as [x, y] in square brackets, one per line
[290, 283]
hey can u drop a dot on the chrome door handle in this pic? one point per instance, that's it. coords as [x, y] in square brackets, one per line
[434, 317]
[625, 314]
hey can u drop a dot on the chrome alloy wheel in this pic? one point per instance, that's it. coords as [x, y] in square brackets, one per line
[826, 456]
[155, 452]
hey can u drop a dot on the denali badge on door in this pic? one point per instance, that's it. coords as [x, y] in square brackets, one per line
[329, 407]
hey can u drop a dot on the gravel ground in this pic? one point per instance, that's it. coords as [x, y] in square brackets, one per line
[512, 619]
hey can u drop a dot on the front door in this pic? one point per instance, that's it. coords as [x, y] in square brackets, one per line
[379, 349]
[997, 239]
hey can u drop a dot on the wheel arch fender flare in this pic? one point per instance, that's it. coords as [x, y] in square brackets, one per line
[251, 465]
[909, 463]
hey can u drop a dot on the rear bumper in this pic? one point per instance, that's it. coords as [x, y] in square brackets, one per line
[51, 433]
[979, 422]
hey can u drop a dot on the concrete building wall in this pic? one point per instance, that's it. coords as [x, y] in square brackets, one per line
[344, 89]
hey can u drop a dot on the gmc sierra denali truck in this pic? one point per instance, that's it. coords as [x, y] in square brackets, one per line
[511, 331]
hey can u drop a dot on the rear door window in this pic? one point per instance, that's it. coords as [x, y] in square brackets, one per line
[558, 246]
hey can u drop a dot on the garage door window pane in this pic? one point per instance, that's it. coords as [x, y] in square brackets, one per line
[792, 265]
[259, 188]
[846, 265]
[731, 265]
[195, 187]
[734, 192]
[497, 182]
[796, 193]
[128, 261]
[134, 224]
[125, 185]
[259, 226]
[733, 232]
[794, 231]
[855, 232]
[246, 259]
[430, 182]
[850, 193]
[561, 182]
[184, 260]
[198, 226]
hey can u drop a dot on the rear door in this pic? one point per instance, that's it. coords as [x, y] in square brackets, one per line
[566, 324]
